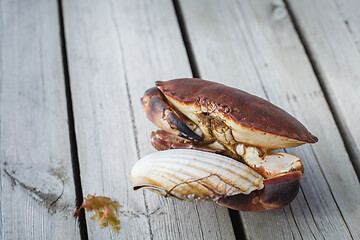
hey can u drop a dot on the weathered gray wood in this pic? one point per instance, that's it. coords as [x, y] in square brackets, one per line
[116, 50]
[331, 31]
[37, 184]
[252, 45]
[349, 15]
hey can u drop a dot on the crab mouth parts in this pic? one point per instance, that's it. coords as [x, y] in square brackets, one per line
[218, 136]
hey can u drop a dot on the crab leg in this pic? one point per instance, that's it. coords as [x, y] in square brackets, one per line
[269, 165]
[164, 116]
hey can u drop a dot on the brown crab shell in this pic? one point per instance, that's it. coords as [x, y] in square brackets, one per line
[259, 122]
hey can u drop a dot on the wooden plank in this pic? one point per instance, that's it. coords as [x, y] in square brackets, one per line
[117, 49]
[349, 14]
[252, 45]
[331, 31]
[37, 186]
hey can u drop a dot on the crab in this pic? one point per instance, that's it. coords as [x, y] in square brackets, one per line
[207, 116]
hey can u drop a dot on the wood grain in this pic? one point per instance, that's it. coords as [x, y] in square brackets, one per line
[349, 15]
[252, 45]
[118, 49]
[37, 186]
[332, 39]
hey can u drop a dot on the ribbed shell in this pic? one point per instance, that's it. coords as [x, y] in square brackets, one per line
[194, 175]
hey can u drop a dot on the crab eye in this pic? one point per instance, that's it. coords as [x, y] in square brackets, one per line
[227, 110]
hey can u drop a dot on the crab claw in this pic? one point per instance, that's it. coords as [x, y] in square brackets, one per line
[277, 193]
[164, 116]
[162, 140]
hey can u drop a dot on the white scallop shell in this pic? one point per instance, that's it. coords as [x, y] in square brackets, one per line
[194, 175]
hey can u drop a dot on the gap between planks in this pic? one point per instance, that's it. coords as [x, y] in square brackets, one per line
[71, 125]
[234, 215]
[186, 39]
[346, 139]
